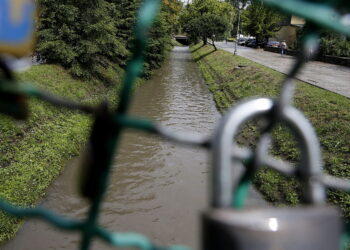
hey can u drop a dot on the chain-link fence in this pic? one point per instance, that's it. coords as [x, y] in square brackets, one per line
[220, 224]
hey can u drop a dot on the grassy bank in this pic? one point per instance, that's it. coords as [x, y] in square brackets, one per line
[328, 112]
[34, 152]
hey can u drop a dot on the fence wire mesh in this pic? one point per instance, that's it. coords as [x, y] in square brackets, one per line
[110, 124]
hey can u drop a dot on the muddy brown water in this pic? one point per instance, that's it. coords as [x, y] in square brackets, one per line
[157, 188]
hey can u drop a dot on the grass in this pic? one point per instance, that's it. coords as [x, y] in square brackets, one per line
[33, 153]
[328, 112]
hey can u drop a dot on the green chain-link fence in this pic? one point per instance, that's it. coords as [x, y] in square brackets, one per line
[109, 124]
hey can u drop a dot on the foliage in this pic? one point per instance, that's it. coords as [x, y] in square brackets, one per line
[334, 44]
[172, 8]
[205, 19]
[91, 38]
[261, 21]
[160, 37]
[335, 47]
[239, 4]
[331, 43]
[80, 36]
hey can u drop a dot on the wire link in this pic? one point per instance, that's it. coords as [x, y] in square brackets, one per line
[226, 152]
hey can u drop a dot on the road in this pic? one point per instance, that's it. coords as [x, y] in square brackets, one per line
[332, 77]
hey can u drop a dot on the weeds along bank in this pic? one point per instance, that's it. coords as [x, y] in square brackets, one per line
[33, 153]
[328, 112]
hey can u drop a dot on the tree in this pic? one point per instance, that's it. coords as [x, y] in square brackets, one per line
[209, 26]
[172, 8]
[239, 5]
[160, 35]
[81, 36]
[205, 19]
[91, 38]
[261, 21]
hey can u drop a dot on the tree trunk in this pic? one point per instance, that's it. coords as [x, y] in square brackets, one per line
[214, 46]
[205, 42]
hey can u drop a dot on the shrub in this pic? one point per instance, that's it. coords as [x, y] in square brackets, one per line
[90, 38]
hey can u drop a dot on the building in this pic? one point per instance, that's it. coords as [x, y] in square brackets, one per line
[288, 31]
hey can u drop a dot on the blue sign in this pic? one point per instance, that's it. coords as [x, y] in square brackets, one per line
[16, 26]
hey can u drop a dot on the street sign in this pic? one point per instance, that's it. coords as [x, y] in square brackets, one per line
[17, 27]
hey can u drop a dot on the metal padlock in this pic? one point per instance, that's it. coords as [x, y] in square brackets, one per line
[313, 226]
[302, 228]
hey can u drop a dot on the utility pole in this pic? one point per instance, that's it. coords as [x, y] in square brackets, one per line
[241, 6]
[237, 35]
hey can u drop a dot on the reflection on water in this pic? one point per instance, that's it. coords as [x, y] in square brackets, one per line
[157, 188]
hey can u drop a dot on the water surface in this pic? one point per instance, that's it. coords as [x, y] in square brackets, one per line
[157, 188]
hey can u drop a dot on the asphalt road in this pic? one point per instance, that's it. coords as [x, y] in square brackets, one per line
[332, 77]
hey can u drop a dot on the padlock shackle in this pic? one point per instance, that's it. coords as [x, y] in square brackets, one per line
[225, 162]
[311, 167]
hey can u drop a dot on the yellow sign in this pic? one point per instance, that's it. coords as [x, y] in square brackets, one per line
[17, 27]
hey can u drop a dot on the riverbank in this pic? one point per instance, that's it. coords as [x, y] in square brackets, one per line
[328, 76]
[34, 153]
[232, 78]
[154, 182]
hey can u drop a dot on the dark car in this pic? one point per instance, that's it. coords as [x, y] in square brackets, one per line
[273, 44]
[251, 43]
[262, 44]
[254, 44]
[248, 41]
[242, 41]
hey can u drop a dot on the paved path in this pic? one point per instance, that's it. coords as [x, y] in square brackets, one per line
[327, 76]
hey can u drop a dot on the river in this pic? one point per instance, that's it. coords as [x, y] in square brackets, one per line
[157, 188]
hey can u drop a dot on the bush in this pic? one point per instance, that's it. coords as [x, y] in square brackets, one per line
[81, 36]
[331, 43]
[335, 47]
[90, 38]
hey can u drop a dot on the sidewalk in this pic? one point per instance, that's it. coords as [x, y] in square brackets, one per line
[332, 77]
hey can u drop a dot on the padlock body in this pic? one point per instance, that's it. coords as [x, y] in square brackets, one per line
[302, 228]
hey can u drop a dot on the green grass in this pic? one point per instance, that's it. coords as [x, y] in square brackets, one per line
[328, 112]
[33, 153]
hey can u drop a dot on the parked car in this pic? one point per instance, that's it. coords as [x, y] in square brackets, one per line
[241, 41]
[247, 41]
[261, 44]
[273, 44]
[251, 43]
[254, 44]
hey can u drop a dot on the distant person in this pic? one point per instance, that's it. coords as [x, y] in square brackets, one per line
[284, 47]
